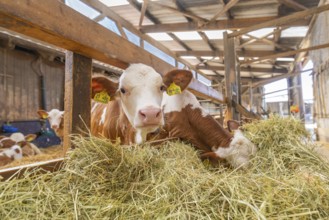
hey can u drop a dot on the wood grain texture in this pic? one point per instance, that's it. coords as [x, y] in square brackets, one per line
[77, 103]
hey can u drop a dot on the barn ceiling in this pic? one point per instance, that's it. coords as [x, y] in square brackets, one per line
[189, 33]
[192, 30]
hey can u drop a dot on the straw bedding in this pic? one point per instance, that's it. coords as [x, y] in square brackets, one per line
[99, 180]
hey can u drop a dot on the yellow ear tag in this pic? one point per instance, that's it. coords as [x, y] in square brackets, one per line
[173, 89]
[102, 97]
[44, 116]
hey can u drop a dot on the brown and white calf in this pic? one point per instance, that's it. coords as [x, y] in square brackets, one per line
[16, 146]
[135, 110]
[184, 118]
[10, 154]
[55, 118]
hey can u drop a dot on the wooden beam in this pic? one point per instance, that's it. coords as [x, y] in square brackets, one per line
[243, 111]
[222, 11]
[99, 6]
[253, 38]
[144, 7]
[245, 69]
[108, 47]
[282, 20]
[77, 102]
[227, 13]
[119, 20]
[196, 18]
[203, 35]
[267, 41]
[217, 25]
[244, 53]
[206, 92]
[232, 89]
[293, 4]
[287, 53]
[40, 167]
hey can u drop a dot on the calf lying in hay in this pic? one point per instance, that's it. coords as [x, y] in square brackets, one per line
[103, 180]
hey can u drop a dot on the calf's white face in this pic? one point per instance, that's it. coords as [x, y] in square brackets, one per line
[54, 116]
[141, 90]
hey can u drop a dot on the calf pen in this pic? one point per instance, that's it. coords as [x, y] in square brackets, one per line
[83, 51]
[286, 179]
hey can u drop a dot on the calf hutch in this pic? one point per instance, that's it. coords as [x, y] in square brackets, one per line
[164, 109]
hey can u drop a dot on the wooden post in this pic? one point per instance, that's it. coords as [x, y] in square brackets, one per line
[251, 95]
[295, 92]
[231, 76]
[77, 103]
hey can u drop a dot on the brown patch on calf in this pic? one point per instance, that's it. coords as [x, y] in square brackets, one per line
[116, 124]
[60, 131]
[205, 133]
[27, 150]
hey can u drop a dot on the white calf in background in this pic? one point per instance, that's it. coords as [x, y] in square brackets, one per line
[55, 118]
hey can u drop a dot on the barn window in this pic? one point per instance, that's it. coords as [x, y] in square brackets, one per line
[180, 65]
[159, 53]
[204, 80]
[133, 38]
[82, 8]
[109, 24]
[111, 3]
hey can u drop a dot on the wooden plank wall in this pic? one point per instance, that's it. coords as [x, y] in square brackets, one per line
[320, 58]
[20, 85]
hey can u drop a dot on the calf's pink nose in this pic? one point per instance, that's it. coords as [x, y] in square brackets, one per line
[54, 127]
[150, 116]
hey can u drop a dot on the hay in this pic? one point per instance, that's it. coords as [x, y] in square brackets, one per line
[286, 180]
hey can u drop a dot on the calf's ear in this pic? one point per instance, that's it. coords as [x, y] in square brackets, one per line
[233, 125]
[42, 114]
[30, 137]
[102, 83]
[182, 78]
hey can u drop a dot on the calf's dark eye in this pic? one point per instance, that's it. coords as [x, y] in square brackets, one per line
[122, 90]
[162, 88]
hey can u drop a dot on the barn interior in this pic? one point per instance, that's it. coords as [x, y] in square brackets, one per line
[251, 61]
[48, 52]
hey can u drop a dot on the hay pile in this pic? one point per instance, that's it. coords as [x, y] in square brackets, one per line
[108, 181]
